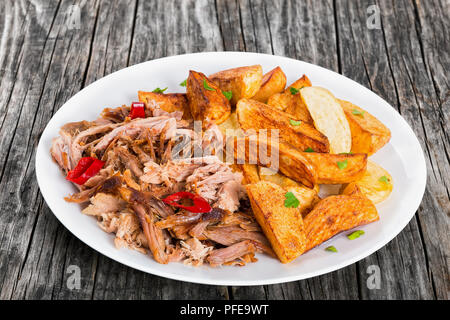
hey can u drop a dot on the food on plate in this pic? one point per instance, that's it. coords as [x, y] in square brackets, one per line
[242, 82]
[283, 225]
[162, 184]
[290, 162]
[336, 214]
[290, 100]
[168, 102]
[376, 183]
[328, 117]
[368, 133]
[337, 168]
[206, 101]
[252, 114]
[273, 82]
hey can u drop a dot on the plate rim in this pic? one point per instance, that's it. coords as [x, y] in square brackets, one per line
[422, 174]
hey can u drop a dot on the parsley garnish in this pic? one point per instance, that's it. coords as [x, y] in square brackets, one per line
[309, 149]
[355, 234]
[331, 248]
[228, 94]
[293, 90]
[183, 84]
[294, 122]
[205, 85]
[291, 201]
[342, 164]
[384, 179]
[357, 112]
[159, 90]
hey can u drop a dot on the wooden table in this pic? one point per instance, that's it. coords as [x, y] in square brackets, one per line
[46, 56]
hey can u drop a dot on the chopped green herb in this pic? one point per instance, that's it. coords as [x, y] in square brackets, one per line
[228, 94]
[291, 201]
[309, 149]
[205, 85]
[384, 179]
[183, 84]
[293, 90]
[357, 112]
[342, 164]
[295, 122]
[159, 90]
[355, 234]
[331, 248]
[346, 152]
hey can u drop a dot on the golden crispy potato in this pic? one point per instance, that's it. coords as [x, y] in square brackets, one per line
[272, 82]
[368, 133]
[282, 226]
[206, 101]
[268, 174]
[376, 183]
[169, 102]
[329, 118]
[337, 168]
[336, 214]
[290, 100]
[243, 82]
[250, 173]
[256, 115]
[281, 156]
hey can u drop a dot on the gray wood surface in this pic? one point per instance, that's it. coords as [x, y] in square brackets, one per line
[43, 62]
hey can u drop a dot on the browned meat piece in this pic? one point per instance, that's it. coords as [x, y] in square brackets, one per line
[116, 115]
[153, 234]
[183, 218]
[58, 152]
[129, 160]
[221, 256]
[104, 203]
[214, 216]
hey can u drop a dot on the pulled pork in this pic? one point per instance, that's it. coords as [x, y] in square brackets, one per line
[141, 169]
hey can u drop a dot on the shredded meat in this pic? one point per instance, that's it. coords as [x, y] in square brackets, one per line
[147, 159]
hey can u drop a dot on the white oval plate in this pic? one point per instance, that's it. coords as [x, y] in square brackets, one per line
[402, 157]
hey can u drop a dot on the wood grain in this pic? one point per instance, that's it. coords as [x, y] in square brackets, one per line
[43, 62]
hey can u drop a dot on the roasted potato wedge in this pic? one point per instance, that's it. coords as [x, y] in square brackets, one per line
[231, 124]
[368, 133]
[376, 183]
[290, 101]
[329, 117]
[206, 101]
[272, 82]
[282, 155]
[169, 102]
[282, 226]
[267, 174]
[252, 114]
[243, 82]
[337, 168]
[250, 173]
[336, 214]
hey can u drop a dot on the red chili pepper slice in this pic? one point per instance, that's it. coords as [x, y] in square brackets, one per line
[137, 110]
[200, 204]
[86, 168]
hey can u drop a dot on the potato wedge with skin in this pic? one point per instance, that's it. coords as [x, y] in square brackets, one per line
[376, 183]
[267, 174]
[169, 102]
[252, 114]
[250, 173]
[282, 226]
[281, 156]
[291, 102]
[336, 214]
[206, 101]
[329, 117]
[272, 82]
[326, 165]
[231, 125]
[243, 82]
[368, 133]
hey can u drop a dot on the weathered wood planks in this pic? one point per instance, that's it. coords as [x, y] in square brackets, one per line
[43, 63]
